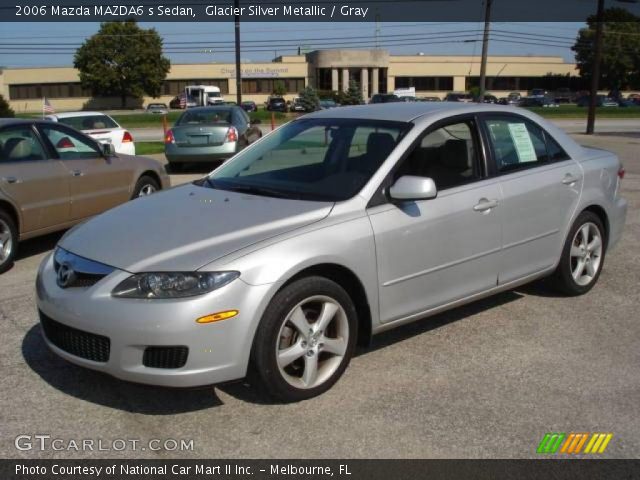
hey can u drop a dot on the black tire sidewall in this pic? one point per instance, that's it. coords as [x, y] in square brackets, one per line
[6, 265]
[142, 181]
[564, 275]
[264, 368]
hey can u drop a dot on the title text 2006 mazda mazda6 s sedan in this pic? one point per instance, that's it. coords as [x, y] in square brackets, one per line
[334, 227]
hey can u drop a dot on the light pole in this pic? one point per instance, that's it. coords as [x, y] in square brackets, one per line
[595, 73]
[238, 71]
[485, 50]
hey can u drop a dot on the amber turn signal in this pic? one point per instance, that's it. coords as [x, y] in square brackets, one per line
[216, 317]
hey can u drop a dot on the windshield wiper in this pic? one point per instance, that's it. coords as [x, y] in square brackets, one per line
[250, 189]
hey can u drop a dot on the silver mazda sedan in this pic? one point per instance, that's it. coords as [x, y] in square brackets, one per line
[337, 226]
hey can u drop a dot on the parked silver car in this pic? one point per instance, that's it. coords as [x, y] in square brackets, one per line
[209, 134]
[339, 225]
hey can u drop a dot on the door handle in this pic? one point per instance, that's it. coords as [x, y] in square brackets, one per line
[11, 180]
[77, 173]
[485, 205]
[569, 179]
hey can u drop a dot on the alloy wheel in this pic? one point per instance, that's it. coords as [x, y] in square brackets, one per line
[312, 342]
[6, 242]
[586, 254]
[147, 189]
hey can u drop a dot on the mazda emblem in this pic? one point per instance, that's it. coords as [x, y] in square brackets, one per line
[66, 276]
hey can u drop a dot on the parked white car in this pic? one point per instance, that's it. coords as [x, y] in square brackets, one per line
[100, 127]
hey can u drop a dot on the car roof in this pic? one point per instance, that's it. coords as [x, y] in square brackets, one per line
[212, 108]
[21, 121]
[77, 114]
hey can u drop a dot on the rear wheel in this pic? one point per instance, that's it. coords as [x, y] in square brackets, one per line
[8, 241]
[176, 167]
[145, 186]
[305, 340]
[582, 256]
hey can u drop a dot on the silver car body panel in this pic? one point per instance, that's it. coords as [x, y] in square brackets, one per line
[412, 260]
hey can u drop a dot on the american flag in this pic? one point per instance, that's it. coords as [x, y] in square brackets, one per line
[46, 106]
[183, 100]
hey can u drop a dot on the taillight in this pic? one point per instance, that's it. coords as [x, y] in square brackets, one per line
[127, 138]
[168, 137]
[232, 135]
[621, 173]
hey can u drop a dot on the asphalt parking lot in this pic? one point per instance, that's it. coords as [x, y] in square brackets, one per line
[487, 380]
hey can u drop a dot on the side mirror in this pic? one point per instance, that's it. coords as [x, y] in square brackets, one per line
[108, 150]
[410, 187]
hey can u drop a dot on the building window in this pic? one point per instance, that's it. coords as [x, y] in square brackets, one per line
[49, 90]
[176, 87]
[547, 82]
[266, 85]
[425, 83]
[324, 79]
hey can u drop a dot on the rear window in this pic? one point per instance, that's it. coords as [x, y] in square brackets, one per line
[205, 117]
[89, 122]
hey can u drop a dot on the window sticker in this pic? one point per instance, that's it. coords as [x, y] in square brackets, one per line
[522, 141]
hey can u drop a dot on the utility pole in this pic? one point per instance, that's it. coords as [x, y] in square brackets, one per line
[238, 71]
[595, 79]
[485, 49]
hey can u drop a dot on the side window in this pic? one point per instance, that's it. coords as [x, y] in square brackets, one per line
[70, 145]
[516, 144]
[20, 144]
[448, 155]
[556, 152]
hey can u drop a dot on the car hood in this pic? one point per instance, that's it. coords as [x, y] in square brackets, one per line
[185, 228]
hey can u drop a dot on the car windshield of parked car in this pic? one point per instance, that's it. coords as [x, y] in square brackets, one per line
[89, 122]
[312, 159]
[205, 117]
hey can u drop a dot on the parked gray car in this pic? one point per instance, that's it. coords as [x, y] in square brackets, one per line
[337, 226]
[209, 134]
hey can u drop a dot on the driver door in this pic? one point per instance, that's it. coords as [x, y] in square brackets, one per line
[434, 252]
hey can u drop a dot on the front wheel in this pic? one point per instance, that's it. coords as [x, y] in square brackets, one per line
[8, 241]
[305, 340]
[582, 256]
[145, 186]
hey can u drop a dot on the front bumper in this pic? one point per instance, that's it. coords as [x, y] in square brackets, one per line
[217, 352]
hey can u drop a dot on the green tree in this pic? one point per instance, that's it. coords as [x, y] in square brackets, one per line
[309, 99]
[5, 109]
[620, 50]
[279, 88]
[122, 60]
[353, 95]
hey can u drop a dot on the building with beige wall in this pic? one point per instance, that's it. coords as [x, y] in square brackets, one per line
[376, 71]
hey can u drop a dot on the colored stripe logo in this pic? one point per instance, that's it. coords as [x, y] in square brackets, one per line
[574, 443]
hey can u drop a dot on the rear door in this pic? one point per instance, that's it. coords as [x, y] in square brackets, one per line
[37, 184]
[97, 183]
[541, 186]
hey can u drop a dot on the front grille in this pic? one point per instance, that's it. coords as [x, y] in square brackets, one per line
[165, 357]
[76, 342]
[85, 273]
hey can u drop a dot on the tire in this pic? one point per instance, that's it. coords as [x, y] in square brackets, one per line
[145, 186]
[296, 304]
[8, 241]
[582, 260]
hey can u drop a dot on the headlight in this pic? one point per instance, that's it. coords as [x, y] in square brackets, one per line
[172, 284]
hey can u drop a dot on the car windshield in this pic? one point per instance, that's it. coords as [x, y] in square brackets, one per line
[205, 117]
[89, 122]
[312, 159]
[213, 94]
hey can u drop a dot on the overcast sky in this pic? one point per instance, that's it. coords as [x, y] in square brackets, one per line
[516, 39]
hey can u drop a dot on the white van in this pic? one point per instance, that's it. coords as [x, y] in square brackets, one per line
[204, 95]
